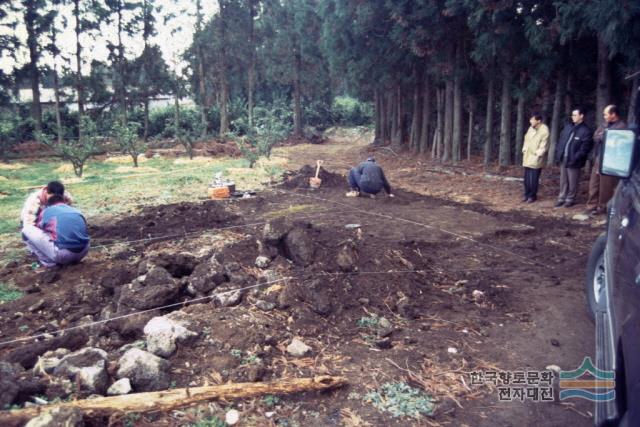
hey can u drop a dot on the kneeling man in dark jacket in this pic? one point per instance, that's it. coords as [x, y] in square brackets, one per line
[368, 178]
[571, 154]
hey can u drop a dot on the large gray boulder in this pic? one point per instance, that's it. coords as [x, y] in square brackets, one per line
[164, 333]
[146, 371]
[88, 367]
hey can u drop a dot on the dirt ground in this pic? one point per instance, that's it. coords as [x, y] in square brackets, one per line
[467, 278]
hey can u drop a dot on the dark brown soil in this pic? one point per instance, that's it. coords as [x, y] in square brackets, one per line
[497, 287]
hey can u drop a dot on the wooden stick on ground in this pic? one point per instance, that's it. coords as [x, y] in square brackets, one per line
[178, 398]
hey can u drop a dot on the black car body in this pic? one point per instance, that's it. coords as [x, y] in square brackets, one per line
[613, 293]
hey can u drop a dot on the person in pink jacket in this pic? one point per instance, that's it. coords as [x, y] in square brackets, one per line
[37, 201]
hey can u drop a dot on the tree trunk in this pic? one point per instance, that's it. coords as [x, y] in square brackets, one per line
[633, 101]
[169, 400]
[297, 92]
[488, 143]
[377, 117]
[519, 128]
[146, 117]
[176, 114]
[556, 117]
[426, 115]
[416, 119]
[224, 83]
[457, 106]
[31, 14]
[448, 121]
[121, 86]
[505, 119]
[568, 96]
[251, 74]
[439, 140]
[603, 90]
[79, 84]
[203, 94]
[56, 85]
[472, 110]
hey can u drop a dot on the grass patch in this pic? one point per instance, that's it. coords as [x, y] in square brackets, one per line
[9, 293]
[105, 188]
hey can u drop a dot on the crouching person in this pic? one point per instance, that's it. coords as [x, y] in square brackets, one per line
[368, 178]
[60, 237]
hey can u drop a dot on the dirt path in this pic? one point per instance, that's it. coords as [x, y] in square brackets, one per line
[462, 287]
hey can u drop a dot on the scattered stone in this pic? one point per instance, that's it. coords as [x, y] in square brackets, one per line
[554, 368]
[262, 261]
[477, 295]
[59, 417]
[146, 371]
[347, 258]
[139, 344]
[318, 296]
[37, 306]
[406, 309]
[49, 275]
[88, 367]
[555, 342]
[384, 332]
[49, 361]
[255, 373]
[363, 301]
[232, 417]
[265, 305]
[297, 348]
[452, 350]
[163, 333]
[384, 343]
[228, 298]
[122, 386]
[384, 323]
[580, 217]
[116, 277]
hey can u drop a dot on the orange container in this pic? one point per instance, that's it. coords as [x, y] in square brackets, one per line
[218, 193]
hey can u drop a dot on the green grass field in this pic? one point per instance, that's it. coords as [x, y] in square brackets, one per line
[113, 186]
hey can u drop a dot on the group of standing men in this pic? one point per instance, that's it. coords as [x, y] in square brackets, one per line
[571, 153]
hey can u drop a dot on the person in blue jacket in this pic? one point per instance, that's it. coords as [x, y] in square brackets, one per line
[60, 237]
[368, 178]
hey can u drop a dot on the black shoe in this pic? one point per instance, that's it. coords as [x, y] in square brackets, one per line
[525, 199]
[559, 203]
[531, 199]
[568, 204]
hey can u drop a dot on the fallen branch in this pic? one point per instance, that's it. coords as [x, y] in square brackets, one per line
[173, 399]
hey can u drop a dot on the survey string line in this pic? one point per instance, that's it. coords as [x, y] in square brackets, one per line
[49, 335]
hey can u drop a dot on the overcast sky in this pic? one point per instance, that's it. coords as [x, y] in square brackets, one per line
[172, 45]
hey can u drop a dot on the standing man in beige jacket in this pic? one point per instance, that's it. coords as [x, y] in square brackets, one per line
[536, 144]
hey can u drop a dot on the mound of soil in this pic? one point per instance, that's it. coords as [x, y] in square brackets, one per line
[300, 178]
[163, 220]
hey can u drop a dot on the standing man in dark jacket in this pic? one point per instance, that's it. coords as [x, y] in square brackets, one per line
[602, 187]
[368, 178]
[571, 154]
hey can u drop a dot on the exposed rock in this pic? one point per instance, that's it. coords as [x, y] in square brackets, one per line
[122, 386]
[297, 348]
[318, 296]
[49, 361]
[58, 417]
[384, 343]
[384, 323]
[262, 261]
[299, 246]
[347, 258]
[228, 298]
[580, 217]
[27, 354]
[163, 334]
[154, 289]
[178, 265]
[275, 230]
[232, 417]
[88, 367]
[9, 388]
[207, 276]
[265, 305]
[146, 371]
[116, 277]
[406, 309]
